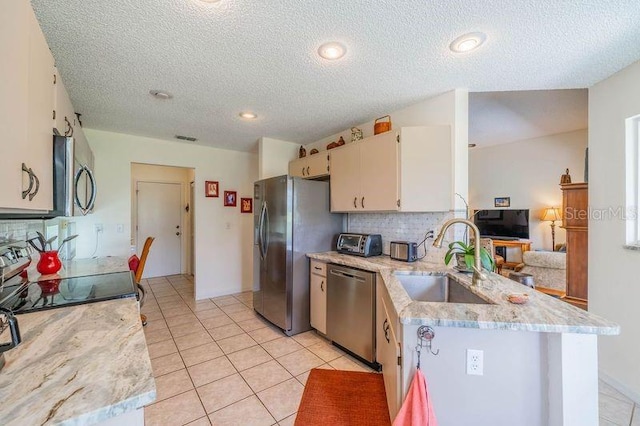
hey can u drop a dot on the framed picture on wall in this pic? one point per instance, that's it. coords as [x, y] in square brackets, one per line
[230, 198]
[246, 205]
[211, 189]
[502, 202]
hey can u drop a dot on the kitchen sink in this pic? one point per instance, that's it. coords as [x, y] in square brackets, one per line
[436, 287]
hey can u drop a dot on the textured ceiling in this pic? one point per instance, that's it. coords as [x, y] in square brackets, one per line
[218, 59]
[503, 117]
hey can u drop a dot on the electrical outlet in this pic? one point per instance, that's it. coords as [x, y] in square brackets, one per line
[120, 228]
[475, 362]
[99, 227]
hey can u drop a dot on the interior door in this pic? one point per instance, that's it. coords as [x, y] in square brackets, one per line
[159, 215]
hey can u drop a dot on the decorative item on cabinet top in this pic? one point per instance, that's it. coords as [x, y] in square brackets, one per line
[332, 145]
[313, 151]
[341, 141]
[381, 126]
[356, 134]
[565, 178]
[302, 152]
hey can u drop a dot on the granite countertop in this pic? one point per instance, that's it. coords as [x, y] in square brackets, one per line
[77, 365]
[542, 313]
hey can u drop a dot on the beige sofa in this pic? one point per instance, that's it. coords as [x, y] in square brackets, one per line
[549, 269]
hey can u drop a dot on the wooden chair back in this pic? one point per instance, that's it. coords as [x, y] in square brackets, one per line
[143, 258]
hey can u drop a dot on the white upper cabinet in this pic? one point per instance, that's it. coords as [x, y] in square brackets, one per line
[40, 107]
[65, 120]
[14, 83]
[26, 108]
[426, 169]
[311, 166]
[410, 170]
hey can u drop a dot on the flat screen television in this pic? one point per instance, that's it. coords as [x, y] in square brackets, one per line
[506, 224]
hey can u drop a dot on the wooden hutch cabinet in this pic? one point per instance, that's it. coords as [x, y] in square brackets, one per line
[575, 220]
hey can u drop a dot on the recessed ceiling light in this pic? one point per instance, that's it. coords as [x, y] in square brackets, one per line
[332, 50]
[210, 1]
[159, 94]
[468, 42]
[248, 115]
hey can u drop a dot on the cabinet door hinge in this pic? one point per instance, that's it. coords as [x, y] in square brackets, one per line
[398, 203]
[55, 79]
[400, 360]
[398, 138]
[54, 114]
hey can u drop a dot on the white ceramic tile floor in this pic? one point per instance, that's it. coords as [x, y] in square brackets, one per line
[217, 362]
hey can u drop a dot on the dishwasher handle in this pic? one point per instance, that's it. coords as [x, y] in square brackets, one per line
[342, 274]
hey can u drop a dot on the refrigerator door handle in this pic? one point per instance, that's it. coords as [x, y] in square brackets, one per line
[266, 230]
[261, 231]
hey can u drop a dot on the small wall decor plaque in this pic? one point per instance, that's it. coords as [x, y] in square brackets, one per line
[246, 205]
[211, 189]
[502, 202]
[230, 199]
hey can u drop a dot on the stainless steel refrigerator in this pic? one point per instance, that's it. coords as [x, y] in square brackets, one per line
[291, 218]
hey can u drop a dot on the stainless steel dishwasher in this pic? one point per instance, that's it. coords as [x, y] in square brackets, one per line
[351, 310]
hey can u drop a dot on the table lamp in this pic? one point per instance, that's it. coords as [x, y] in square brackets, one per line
[552, 214]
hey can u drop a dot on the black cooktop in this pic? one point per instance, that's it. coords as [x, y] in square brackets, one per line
[60, 292]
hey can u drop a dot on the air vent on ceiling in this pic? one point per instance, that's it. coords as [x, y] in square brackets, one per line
[186, 138]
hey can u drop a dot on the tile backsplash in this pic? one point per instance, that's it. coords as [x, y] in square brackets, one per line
[18, 229]
[404, 227]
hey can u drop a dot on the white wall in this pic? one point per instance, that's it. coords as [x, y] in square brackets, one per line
[153, 173]
[450, 108]
[614, 287]
[274, 156]
[512, 390]
[529, 172]
[224, 236]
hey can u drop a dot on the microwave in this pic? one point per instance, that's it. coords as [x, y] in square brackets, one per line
[74, 184]
[360, 244]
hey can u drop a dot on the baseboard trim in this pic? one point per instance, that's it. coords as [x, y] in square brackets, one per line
[617, 385]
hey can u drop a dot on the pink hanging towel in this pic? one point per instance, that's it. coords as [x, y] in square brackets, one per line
[417, 409]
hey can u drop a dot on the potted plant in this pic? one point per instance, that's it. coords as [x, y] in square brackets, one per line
[465, 256]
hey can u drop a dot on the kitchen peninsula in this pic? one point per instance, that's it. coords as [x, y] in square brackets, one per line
[81, 364]
[540, 358]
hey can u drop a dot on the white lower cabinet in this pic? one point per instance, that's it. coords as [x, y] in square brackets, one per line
[318, 296]
[388, 349]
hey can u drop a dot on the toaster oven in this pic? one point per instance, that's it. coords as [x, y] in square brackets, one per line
[360, 244]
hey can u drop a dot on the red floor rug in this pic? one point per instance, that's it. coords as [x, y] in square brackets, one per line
[333, 397]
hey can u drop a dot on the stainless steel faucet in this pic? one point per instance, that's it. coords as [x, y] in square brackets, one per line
[478, 275]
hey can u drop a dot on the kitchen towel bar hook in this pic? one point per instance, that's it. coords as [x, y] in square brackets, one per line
[425, 338]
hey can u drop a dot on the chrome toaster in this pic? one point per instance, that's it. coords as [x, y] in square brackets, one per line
[403, 250]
